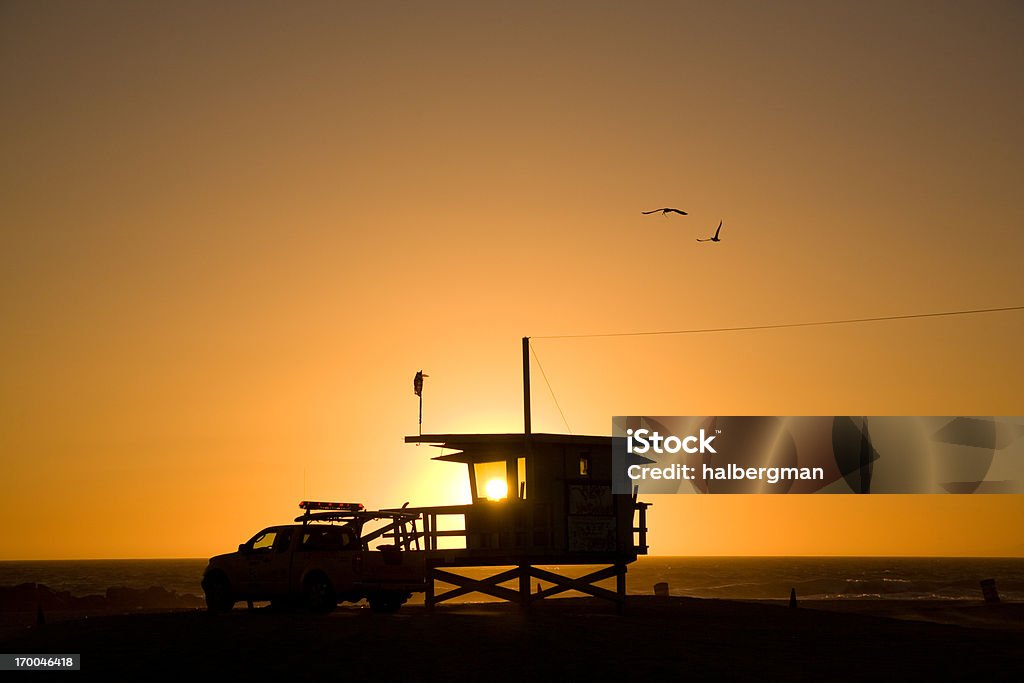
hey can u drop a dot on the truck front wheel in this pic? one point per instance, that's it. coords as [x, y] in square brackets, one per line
[218, 593]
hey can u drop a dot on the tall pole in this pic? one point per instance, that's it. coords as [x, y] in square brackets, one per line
[526, 385]
[421, 415]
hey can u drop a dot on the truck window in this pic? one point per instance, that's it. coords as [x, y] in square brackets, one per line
[322, 539]
[284, 538]
[263, 541]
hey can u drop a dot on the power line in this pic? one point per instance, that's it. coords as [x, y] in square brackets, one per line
[747, 328]
[545, 376]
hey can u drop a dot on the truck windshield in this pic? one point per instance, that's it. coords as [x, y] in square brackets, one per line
[263, 541]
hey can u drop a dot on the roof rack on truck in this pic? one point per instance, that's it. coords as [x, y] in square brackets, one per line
[345, 512]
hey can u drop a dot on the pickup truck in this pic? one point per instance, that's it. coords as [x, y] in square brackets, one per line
[317, 564]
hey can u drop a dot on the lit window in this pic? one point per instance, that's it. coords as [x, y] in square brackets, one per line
[491, 481]
[496, 489]
[584, 464]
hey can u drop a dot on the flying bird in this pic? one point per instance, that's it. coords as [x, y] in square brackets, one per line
[715, 238]
[665, 211]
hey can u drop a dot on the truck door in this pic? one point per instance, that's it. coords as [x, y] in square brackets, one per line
[258, 554]
[273, 575]
[269, 569]
[328, 548]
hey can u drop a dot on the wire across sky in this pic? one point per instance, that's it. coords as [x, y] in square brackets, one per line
[780, 326]
[751, 328]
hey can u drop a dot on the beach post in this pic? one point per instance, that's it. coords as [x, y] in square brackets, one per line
[40, 617]
[988, 590]
[792, 598]
[620, 587]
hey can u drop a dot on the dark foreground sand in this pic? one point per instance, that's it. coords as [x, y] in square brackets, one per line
[572, 639]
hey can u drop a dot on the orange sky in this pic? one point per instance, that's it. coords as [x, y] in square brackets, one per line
[232, 232]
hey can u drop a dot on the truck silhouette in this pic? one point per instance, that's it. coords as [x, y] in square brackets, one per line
[318, 562]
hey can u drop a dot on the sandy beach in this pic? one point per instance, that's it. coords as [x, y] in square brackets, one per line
[574, 638]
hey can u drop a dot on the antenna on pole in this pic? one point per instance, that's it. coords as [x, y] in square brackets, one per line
[526, 385]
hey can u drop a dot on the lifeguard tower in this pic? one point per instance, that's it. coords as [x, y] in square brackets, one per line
[538, 500]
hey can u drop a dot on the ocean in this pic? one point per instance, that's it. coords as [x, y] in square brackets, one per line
[744, 578]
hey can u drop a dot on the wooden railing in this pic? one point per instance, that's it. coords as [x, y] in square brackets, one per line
[641, 527]
[419, 531]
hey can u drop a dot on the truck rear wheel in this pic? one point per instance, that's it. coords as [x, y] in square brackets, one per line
[318, 595]
[387, 602]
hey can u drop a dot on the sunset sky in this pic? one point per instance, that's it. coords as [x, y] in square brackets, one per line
[231, 232]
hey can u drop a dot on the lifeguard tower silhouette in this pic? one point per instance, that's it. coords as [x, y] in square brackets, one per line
[538, 500]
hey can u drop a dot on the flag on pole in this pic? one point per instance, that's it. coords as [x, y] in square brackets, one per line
[417, 387]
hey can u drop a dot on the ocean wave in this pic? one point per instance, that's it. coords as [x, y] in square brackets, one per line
[725, 578]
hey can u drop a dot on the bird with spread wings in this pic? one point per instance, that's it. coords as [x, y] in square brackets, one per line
[664, 212]
[715, 238]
